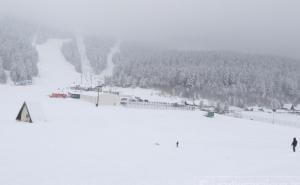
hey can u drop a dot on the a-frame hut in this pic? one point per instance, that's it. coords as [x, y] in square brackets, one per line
[24, 114]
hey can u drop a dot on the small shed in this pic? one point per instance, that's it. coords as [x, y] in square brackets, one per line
[24, 114]
[30, 112]
[75, 96]
[210, 114]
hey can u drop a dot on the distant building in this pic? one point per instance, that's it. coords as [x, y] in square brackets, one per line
[23, 83]
[297, 108]
[109, 99]
[288, 106]
[104, 99]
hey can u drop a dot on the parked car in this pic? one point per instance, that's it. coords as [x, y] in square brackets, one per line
[124, 101]
[23, 82]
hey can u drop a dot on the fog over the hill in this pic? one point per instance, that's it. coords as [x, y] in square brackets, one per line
[255, 26]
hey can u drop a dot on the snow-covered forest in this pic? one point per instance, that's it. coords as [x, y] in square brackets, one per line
[71, 53]
[97, 50]
[235, 78]
[17, 54]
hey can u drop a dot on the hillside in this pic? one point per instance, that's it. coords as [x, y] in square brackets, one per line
[17, 55]
[231, 78]
[236, 78]
[78, 143]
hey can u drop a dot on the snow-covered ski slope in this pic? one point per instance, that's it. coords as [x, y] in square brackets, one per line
[108, 71]
[54, 70]
[80, 144]
[89, 78]
[86, 68]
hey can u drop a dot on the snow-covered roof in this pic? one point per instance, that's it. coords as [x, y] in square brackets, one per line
[190, 102]
[255, 108]
[197, 102]
[36, 111]
[235, 109]
[297, 107]
[287, 106]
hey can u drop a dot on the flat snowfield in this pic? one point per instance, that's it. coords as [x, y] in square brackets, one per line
[81, 144]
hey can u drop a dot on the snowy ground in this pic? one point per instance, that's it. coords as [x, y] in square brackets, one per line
[80, 144]
[277, 118]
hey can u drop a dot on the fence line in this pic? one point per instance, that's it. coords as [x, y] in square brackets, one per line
[159, 106]
[267, 120]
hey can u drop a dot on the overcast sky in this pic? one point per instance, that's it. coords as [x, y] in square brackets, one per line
[259, 26]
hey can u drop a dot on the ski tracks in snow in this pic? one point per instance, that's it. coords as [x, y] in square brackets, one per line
[108, 71]
[86, 68]
[87, 71]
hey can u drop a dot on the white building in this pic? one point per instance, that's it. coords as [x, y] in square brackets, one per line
[288, 106]
[105, 99]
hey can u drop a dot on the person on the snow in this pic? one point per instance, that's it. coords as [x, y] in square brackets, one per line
[177, 144]
[294, 144]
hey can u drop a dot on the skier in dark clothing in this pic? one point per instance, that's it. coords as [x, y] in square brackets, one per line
[294, 144]
[177, 144]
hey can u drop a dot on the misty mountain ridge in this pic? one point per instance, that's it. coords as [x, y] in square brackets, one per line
[231, 77]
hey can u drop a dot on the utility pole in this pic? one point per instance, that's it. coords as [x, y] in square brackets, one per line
[273, 110]
[91, 76]
[98, 96]
[97, 104]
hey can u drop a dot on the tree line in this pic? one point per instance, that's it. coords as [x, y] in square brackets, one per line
[17, 55]
[229, 77]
